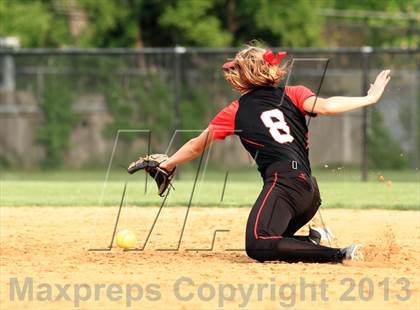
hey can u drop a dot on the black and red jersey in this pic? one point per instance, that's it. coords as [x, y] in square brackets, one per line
[270, 123]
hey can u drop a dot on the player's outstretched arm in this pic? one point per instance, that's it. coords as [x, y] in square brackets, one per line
[337, 105]
[190, 150]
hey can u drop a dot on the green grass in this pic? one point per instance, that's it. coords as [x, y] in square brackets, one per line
[339, 189]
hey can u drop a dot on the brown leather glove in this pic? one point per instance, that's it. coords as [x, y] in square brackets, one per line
[151, 164]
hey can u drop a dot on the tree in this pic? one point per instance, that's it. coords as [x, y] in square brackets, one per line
[110, 23]
[129, 23]
[233, 22]
[193, 24]
[278, 23]
[34, 22]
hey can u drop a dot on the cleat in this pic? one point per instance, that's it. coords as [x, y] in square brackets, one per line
[352, 252]
[325, 233]
[314, 236]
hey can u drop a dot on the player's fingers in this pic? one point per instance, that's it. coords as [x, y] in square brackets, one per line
[380, 90]
[387, 73]
[381, 80]
[383, 74]
[379, 77]
[378, 87]
[386, 80]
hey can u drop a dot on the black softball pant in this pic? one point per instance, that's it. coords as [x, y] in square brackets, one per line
[289, 199]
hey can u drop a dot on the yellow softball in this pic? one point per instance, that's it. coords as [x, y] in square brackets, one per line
[126, 239]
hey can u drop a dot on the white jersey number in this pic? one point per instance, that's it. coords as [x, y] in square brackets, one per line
[279, 130]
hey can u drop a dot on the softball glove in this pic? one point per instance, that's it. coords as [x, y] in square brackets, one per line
[151, 164]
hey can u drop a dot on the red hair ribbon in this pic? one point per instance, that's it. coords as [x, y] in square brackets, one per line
[229, 64]
[269, 57]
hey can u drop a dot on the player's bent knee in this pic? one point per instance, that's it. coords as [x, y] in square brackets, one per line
[254, 252]
[255, 255]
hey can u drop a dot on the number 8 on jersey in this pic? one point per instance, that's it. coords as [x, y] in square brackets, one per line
[279, 130]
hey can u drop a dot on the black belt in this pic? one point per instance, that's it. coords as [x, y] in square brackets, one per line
[286, 166]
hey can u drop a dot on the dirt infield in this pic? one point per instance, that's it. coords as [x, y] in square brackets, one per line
[46, 250]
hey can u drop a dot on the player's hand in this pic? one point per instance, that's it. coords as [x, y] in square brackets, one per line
[378, 87]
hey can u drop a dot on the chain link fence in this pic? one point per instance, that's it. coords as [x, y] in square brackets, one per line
[66, 105]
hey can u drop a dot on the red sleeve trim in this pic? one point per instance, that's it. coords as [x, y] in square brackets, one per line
[223, 124]
[298, 95]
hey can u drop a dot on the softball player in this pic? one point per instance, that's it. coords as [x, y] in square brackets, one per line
[270, 122]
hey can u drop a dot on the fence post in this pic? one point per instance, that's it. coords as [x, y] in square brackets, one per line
[365, 50]
[414, 117]
[178, 50]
